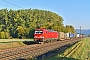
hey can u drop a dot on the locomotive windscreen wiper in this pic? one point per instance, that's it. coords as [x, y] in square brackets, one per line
[38, 32]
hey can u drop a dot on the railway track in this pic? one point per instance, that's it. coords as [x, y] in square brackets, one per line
[32, 50]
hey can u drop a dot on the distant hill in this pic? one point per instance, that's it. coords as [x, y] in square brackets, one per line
[83, 31]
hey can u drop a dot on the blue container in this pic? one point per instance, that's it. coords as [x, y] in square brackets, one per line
[71, 35]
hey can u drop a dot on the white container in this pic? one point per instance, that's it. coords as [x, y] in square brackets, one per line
[77, 35]
[66, 36]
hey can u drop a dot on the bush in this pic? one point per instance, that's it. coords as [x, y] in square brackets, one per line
[4, 35]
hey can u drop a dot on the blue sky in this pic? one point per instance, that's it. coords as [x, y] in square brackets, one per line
[74, 12]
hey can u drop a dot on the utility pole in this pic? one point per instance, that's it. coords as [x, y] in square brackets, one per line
[80, 32]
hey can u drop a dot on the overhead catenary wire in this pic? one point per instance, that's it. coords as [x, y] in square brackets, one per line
[11, 3]
[15, 4]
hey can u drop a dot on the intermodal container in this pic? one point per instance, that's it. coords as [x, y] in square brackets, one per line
[77, 35]
[61, 35]
[71, 35]
[66, 35]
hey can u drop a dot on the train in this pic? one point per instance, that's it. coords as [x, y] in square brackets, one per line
[47, 35]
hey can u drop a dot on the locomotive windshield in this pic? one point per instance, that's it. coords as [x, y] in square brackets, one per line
[38, 32]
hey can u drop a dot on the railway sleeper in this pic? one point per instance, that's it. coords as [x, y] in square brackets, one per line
[4, 59]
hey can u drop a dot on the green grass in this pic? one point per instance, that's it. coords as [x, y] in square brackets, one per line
[11, 43]
[79, 51]
[14, 40]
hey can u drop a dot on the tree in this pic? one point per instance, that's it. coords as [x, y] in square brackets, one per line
[22, 23]
[2, 35]
[69, 28]
[21, 31]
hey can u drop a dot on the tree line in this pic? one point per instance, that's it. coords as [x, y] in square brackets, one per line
[22, 23]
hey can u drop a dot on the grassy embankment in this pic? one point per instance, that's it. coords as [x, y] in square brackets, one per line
[79, 51]
[10, 43]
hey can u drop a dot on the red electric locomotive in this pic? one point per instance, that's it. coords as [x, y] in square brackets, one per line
[42, 35]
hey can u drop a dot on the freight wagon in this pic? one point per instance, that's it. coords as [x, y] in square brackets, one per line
[77, 35]
[66, 36]
[71, 35]
[61, 35]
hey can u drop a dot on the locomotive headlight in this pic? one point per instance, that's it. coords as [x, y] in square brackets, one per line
[35, 37]
[42, 37]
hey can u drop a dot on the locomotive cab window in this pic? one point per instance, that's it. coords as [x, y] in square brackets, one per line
[38, 32]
